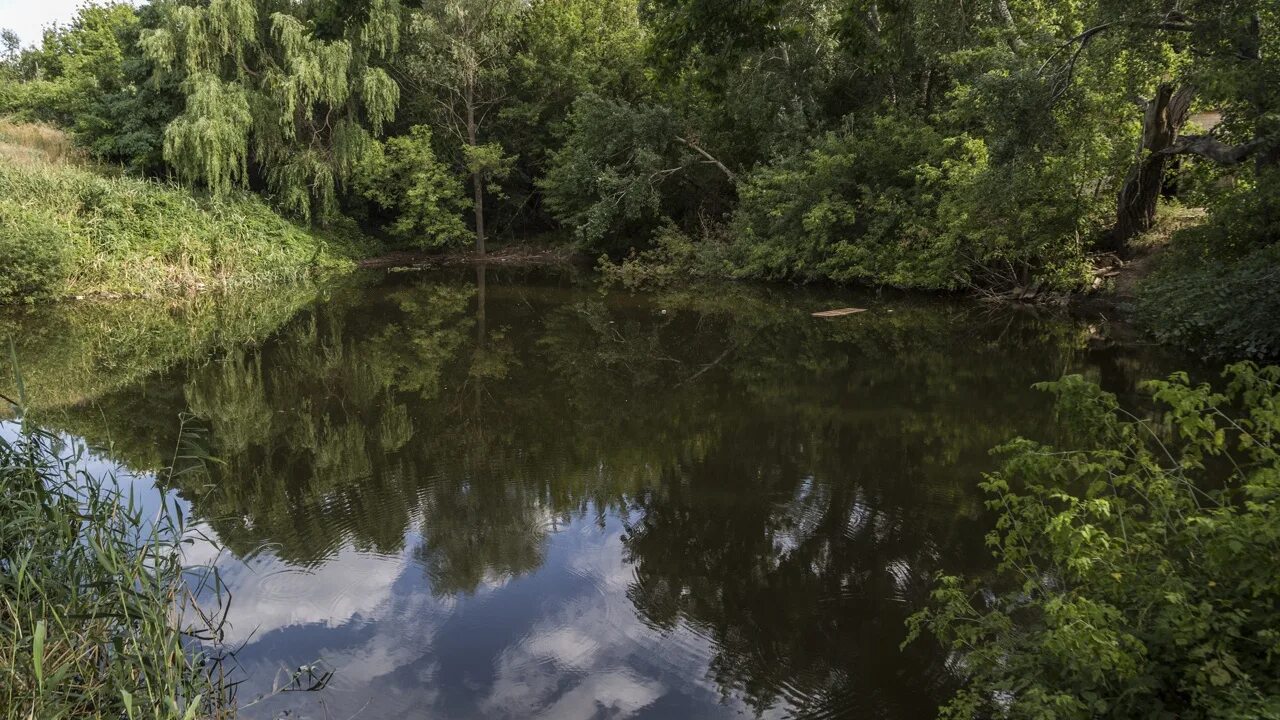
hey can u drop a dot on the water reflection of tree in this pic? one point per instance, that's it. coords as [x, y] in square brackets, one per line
[802, 581]
[827, 496]
[793, 483]
[73, 353]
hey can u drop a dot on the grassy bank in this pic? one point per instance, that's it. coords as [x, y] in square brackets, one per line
[96, 617]
[69, 229]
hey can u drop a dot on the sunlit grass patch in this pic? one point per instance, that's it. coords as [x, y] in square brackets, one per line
[68, 229]
[35, 142]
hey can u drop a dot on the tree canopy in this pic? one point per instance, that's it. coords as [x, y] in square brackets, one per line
[295, 88]
[999, 145]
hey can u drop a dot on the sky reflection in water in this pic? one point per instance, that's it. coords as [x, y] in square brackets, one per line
[515, 496]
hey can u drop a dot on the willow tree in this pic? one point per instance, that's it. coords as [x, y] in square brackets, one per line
[289, 90]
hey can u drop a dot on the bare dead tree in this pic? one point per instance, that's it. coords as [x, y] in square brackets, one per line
[1164, 116]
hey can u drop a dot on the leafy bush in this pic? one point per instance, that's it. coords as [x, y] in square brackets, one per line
[673, 257]
[1243, 219]
[405, 178]
[894, 201]
[624, 170]
[1218, 289]
[1137, 571]
[860, 205]
[1222, 308]
[32, 257]
[1025, 222]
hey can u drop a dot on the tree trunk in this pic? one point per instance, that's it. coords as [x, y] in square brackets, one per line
[482, 326]
[1006, 17]
[1165, 115]
[477, 180]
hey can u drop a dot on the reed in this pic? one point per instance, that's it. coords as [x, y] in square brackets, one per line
[98, 614]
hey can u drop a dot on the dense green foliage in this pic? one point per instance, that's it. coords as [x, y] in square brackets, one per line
[866, 203]
[92, 585]
[992, 145]
[294, 87]
[1137, 574]
[913, 144]
[405, 180]
[34, 259]
[91, 77]
[1218, 290]
[612, 180]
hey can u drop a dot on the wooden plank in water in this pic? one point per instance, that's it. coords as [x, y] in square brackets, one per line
[839, 313]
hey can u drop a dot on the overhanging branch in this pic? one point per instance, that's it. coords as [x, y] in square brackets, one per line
[1173, 22]
[710, 158]
[1209, 147]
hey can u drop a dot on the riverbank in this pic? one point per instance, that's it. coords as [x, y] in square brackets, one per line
[513, 255]
[73, 230]
[69, 229]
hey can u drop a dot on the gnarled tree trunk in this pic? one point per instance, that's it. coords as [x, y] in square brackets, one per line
[1165, 115]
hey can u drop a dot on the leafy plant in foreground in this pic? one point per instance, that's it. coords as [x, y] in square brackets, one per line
[1134, 581]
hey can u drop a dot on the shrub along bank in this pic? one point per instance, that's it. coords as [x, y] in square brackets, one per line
[1137, 562]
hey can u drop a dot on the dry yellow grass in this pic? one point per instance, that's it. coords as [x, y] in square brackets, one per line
[29, 143]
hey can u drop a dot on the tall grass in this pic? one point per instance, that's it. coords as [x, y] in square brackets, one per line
[35, 143]
[98, 617]
[67, 229]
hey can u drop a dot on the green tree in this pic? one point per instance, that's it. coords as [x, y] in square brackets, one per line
[457, 59]
[626, 166]
[422, 194]
[10, 54]
[711, 30]
[294, 87]
[566, 49]
[91, 77]
[120, 101]
[10, 47]
[1219, 54]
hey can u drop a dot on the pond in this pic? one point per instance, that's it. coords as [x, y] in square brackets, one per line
[514, 494]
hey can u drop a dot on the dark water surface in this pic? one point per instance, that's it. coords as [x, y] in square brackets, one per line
[515, 495]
